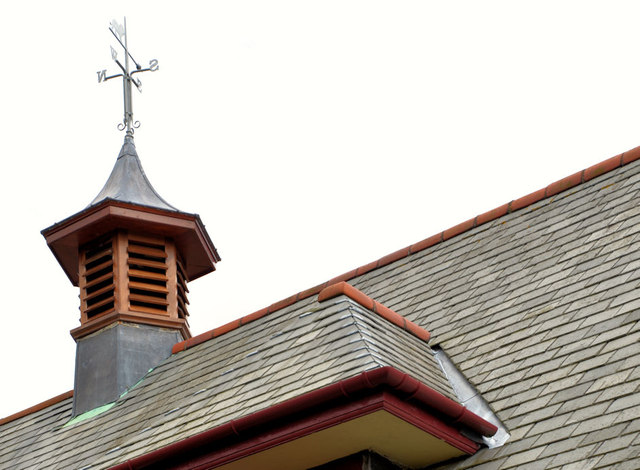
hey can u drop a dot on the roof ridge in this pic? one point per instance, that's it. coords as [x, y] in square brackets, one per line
[552, 189]
[39, 407]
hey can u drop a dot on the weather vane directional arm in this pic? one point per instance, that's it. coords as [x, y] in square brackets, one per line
[120, 33]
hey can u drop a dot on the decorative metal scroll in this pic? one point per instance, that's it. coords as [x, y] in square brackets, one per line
[120, 33]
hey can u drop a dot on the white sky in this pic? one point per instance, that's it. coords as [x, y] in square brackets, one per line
[311, 137]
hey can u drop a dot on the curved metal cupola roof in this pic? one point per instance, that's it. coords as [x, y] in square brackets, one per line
[128, 183]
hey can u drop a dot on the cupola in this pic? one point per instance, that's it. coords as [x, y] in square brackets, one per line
[131, 254]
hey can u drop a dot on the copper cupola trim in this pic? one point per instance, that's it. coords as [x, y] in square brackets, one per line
[187, 230]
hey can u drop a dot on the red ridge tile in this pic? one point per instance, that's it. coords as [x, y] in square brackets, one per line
[283, 303]
[332, 291]
[359, 296]
[342, 288]
[366, 268]
[493, 214]
[631, 155]
[421, 333]
[38, 407]
[527, 200]
[458, 229]
[388, 314]
[602, 167]
[254, 316]
[343, 277]
[564, 184]
[311, 292]
[426, 243]
[232, 325]
[196, 340]
[395, 256]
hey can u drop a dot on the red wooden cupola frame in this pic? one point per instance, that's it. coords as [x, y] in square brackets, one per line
[132, 263]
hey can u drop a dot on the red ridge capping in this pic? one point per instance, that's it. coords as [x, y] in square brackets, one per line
[458, 229]
[493, 214]
[342, 288]
[630, 156]
[403, 384]
[602, 168]
[527, 200]
[38, 407]
[489, 216]
[564, 184]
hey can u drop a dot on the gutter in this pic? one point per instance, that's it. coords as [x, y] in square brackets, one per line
[405, 385]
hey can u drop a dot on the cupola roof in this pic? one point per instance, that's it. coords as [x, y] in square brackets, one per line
[128, 182]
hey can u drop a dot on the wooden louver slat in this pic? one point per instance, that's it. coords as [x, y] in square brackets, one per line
[98, 280]
[182, 278]
[99, 304]
[147, 275]
[106, 251]
[149, 287]
[99, 292]
[147, 251]
[148, 299]
[182, 294]
[99, 267]
[147, 263]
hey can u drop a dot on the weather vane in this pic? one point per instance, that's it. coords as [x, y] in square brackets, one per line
[120, 33]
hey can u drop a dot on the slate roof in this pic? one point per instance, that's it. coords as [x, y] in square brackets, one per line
[540, 310]
[303, 348]
[536, 302]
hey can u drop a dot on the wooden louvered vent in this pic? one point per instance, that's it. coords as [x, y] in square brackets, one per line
[97, 286]
[134, 278]
[147, 273]
[182, 280]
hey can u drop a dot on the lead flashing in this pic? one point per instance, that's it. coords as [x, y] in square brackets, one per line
[471, 399]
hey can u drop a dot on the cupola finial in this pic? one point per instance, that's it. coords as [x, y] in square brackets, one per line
[120, 33]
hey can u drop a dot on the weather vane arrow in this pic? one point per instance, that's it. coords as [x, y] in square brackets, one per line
[120, 33]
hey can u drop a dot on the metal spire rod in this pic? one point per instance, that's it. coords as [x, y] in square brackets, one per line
[120, 33]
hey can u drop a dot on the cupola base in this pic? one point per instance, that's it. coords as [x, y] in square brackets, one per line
[113, 359]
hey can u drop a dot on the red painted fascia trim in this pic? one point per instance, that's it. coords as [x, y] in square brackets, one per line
[489, 216]
[403, 384]
[38, 407]
[343, 288]
[326, 418]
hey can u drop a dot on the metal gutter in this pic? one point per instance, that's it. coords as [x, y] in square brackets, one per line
[406, 386]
